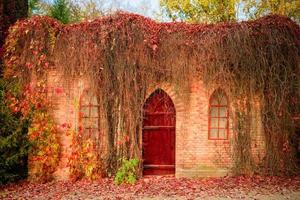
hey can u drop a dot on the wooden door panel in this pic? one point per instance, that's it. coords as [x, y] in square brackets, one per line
[158, 170]
[159, 147]
[163, 119]
[159, 134]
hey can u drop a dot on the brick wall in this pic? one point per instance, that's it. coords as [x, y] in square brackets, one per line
[65, 99]
[257, 134]
[196, 155]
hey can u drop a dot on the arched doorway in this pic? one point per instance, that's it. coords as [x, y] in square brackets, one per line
[158, 145]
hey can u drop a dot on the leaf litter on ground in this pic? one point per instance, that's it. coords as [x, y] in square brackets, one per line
[157, 187]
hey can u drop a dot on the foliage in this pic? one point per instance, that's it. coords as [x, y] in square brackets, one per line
[43, 159]
[125, 55]
[88, 10]
[220, 11]
[156, 187]
[17, 10]
[85, 160]
[243, 159]
[38, 7]
[255, 9]
[32, 6]
[127, 173]
[14, 144]
[42, 133]
[61, 11]
[199, 10]
[67, 10]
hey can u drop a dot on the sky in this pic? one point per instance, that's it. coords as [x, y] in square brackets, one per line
[149, 8]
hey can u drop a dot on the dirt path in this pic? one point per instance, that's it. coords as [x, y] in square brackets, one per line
[160, 188]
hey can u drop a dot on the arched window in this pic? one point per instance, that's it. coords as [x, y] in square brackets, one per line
[218, 122]
[89, 114]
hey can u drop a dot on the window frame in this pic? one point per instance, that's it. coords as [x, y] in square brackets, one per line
[89, 98]
[218, 106]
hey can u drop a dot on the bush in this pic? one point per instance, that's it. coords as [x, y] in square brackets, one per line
[14, 144]
[127, 172]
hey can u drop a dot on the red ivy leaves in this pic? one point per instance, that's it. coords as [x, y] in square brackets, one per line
[240, 187]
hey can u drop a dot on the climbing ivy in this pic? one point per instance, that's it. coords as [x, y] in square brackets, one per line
[124, 55]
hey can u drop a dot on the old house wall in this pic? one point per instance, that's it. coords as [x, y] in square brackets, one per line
[61, 96]
[64, 96]
[257, 134]
[196, 154]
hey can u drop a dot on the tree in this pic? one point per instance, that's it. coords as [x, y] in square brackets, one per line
[10, 12]
[86, 9]
[33, 6]
[14, 145]
[200, 10]
[227, 10]
[38, 7]
[61, 11]
[67, 11]
[13, 129]
[257, 8]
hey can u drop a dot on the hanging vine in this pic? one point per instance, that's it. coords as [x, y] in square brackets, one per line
[124, 55]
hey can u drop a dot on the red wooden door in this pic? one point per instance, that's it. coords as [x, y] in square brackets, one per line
[159, 134]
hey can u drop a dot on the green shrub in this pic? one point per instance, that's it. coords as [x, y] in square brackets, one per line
[127, 173]
[14, 144]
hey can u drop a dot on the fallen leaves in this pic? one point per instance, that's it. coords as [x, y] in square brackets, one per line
[156, 187]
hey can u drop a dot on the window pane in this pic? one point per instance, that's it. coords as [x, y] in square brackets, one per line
[85, 98]
[223, 112]
[94, 111]
[84, 111]
[214, 133]
[87, 131]
[223, 99]
[219, 98]
[214, 123]
[94, 101]
[214, 101]
[95, 133]
[86, 122]
[94, 122]
[222, 133]
[223, 123]
[214, 111]
[88, 93]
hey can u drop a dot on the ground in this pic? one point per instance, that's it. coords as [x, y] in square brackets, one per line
[165, 187]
